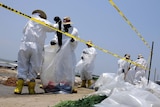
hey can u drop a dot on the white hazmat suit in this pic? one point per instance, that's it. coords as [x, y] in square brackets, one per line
[123, 66]
[86, 65]
[30, 55]
[140, 71]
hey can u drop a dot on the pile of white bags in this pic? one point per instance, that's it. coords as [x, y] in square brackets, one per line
[124, 94]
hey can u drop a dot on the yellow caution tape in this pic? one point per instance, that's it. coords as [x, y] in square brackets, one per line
[67, 34]
[129, 23]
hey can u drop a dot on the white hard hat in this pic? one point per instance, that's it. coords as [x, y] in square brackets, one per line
[140, 56]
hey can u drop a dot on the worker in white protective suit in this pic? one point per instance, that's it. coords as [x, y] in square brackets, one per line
[30, 55]
[59, 75]
[123, 65]
[130, 74]
[86, 65]
[140, 71]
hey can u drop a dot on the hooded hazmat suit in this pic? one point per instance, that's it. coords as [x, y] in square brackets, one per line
[123, 66]
[30, 55]
[86, 65]
[139, 71]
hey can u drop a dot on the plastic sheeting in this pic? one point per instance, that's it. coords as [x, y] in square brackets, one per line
[124, 94]
[57, 72]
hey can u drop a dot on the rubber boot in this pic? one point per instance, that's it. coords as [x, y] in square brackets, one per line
[89, 83]
[83, 83]
[19, 86]
[31, 86]
[74, 90]
[41, 86]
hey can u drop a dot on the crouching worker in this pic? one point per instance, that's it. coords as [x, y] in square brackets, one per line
[30, 55]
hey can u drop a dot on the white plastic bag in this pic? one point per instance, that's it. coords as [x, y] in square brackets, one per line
[57, 72]
[124, 94]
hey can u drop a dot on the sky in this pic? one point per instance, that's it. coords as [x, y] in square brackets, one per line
[96, 20]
